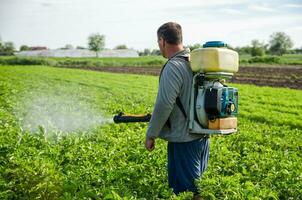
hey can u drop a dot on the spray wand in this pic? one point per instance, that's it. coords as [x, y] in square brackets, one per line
[128, 118]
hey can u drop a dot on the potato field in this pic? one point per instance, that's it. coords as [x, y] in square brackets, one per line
[58, 141]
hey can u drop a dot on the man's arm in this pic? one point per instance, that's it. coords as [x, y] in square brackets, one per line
[169, 88]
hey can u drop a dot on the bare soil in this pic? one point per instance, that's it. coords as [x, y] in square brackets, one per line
[270, 76]
[286, 76]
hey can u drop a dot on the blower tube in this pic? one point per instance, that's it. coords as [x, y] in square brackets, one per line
[122, 118]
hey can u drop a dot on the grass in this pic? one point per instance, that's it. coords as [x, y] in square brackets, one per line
[284, 60]
[292, 58]
[143, 61]
[108, 161]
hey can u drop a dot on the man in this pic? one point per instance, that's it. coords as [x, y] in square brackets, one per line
[187, 153]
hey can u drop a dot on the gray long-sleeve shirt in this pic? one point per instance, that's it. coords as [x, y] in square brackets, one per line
[175, 80]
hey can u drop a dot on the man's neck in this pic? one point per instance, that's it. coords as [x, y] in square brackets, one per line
[173, 49]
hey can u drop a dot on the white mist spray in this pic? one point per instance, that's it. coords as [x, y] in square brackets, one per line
[60, 113]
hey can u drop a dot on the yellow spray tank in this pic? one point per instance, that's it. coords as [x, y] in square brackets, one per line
[214, 57]
[214, 105]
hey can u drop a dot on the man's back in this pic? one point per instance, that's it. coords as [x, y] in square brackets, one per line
[175, 81]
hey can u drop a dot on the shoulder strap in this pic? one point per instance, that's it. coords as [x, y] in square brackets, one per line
[162, 69]
[180, 57]
[178, 101]
[180, 106]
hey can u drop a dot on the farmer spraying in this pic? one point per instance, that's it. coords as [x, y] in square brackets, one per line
[193, 103]
[187, 153]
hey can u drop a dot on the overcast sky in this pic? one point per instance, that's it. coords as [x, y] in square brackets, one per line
[55, 23]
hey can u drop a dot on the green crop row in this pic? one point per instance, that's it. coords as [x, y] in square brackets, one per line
[287, 59]
[143, 61]
[109, 161]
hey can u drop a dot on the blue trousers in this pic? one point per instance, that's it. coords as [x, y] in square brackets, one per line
[186, 163]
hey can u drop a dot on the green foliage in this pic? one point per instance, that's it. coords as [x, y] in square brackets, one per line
[194, 46]
[146, 52]
[155, 52]
[7, 48]
[67, 46]
[143, 61]
[287, 59]
[150, 52]
[80, 47]
[121, 46]
[243, 50]
[257, 51]
[26, 61]
[261, 161]
[25, 48]
[280, 43]
[295, 59]
[266, 59]
[258, 48]
[96, 42]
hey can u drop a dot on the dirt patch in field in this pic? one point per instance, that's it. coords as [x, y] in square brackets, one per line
[290, 77]
[274, 77]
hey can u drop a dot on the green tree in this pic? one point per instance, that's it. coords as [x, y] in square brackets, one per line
[121, 46]
[243, 50]
[155, 52]
[25, 48]
[80, 47]
[194, 46]
[298, 50]
[1, 45]
[96, 42]
[66, 47]
[258, 48]
[7, 48]
[69, 46]
[146, 52]
[279, 43]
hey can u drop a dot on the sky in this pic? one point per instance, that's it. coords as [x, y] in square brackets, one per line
[55, 23]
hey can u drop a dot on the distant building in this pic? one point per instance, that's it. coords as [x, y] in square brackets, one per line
[78, 53]
[118, 53]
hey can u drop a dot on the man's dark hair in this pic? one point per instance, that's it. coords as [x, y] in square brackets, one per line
[171, 32]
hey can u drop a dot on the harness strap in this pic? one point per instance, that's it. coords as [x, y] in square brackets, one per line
[181, 107]
[178, 101]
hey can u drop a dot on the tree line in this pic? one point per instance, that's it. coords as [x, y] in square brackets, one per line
[279, 44]
[6, 48]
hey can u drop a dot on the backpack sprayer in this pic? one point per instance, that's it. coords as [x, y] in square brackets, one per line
[213, 105]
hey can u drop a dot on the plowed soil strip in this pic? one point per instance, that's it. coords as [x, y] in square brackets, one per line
[263, 76]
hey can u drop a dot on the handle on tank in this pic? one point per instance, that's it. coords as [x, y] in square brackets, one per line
[122, 118]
